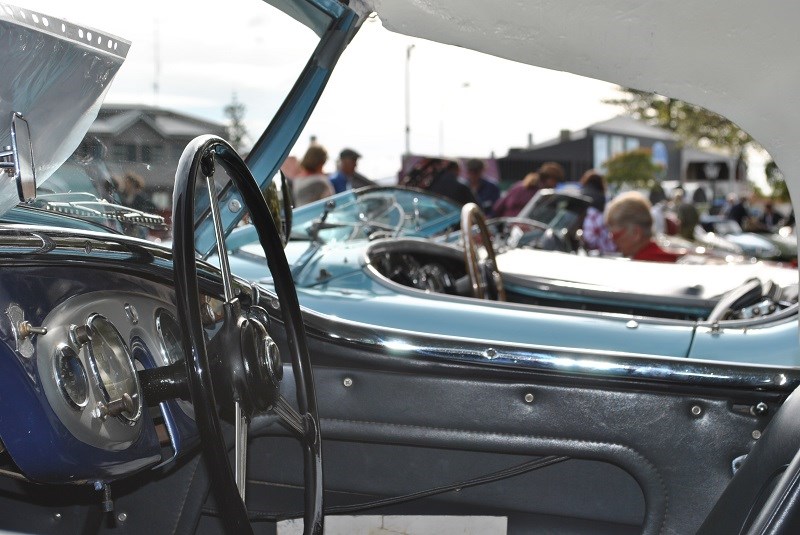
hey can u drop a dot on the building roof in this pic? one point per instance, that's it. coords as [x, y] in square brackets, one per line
[116, 118]
[628, 126]
[620, 125]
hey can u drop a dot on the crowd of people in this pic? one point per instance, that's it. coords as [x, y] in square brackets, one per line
[310, 182]
[626, 224]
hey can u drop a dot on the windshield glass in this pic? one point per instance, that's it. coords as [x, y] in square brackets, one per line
[372, 213]
[186, 74]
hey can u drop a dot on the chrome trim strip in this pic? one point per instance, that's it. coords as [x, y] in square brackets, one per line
[550, 360]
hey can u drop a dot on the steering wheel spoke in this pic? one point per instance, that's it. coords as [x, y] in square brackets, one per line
[246, 366]
[289, 417]
[242, 426]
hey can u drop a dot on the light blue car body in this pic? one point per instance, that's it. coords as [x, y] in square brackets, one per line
[336, 277]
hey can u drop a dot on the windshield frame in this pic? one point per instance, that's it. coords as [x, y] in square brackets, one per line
[284, 129]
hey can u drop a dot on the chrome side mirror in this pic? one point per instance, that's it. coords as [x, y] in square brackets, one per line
[278, 195]
[17, 160]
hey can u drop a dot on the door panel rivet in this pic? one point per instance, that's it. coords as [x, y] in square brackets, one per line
[347, 382]
[529, 398]
[756, 434]
[697, 410]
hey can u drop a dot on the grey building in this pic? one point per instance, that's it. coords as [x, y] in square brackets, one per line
[591, 147]
[149, 140]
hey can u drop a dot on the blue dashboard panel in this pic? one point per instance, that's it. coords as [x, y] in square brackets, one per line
[42, 443]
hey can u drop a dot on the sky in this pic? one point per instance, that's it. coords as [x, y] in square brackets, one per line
[460, 102]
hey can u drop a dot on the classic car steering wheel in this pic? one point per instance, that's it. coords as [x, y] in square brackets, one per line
[482, 273]
[246, 365]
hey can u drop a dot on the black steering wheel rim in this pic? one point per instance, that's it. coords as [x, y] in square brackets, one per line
[199, 159]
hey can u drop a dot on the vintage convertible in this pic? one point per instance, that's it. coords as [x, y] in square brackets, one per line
[145, 390]
[396, 257]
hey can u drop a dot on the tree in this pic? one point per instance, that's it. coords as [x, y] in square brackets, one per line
[692, 124]
[634, 168]
[776, 181]
[236, 131]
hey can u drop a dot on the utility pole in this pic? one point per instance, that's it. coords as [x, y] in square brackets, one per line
[409, 48]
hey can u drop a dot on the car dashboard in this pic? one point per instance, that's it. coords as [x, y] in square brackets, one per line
[83, 317]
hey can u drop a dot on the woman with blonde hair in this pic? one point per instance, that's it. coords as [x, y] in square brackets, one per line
[518, 195]
[311, 183]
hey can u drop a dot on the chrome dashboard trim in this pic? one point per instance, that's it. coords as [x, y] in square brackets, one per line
[550, 360]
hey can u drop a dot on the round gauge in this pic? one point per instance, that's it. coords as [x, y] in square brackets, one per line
[112, 365]
[170, 333]
[71, 377]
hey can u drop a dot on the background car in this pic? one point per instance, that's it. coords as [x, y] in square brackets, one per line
[751, 244]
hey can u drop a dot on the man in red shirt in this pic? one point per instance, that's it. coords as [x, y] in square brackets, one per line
[630, 223]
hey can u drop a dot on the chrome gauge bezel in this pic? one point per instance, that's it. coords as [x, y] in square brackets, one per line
[122, 358]
[163, 316]
[63, 352]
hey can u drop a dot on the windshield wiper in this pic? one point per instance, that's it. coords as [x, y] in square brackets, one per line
[319, 224]
[313, 233]
[86, 205]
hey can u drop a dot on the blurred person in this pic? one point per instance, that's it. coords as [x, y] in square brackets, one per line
[687, 215]
[739, 212]
[658, 199]
[346, 177]
[438, 176]
[630, 223]
[311, 183]
[770, 218]
[595, 234]
[132, 193]
[518, 195]
[658, 211]
[290, 167]
[486, 191]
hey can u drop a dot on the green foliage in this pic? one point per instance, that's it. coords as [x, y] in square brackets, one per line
[694, 126]
[777, 183]
[237, 132]
[634, 168]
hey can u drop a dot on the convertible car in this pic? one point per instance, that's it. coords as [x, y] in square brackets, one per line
[143, 389]
[397, 257]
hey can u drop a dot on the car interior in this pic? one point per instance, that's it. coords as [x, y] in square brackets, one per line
[145, 390]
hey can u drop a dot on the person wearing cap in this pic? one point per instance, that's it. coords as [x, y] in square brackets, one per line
[486, 191]
[346, 177]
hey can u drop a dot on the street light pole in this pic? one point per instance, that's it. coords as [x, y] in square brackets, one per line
[409, 48]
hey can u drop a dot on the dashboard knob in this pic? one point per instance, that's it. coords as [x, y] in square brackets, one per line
[80, 334]
[115, 407]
